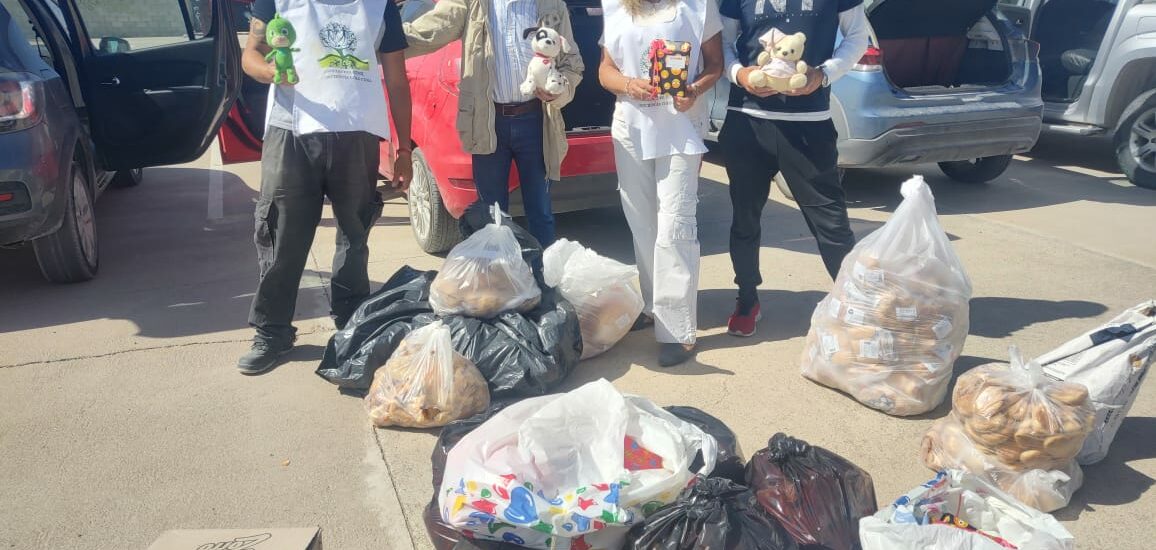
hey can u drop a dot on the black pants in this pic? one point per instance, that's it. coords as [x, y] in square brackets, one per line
[755, 149]
[297, 174]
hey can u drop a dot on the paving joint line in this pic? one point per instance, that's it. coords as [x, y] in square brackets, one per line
[151, 348]
[409, 525]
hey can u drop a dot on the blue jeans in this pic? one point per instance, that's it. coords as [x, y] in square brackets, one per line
[519, 141]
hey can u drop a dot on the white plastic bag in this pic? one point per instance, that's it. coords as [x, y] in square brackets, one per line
[893, 326]
[601, 290]
[981, 516]
[1112, 361]
[426, 383]
[556, 466]
[947, 447]
[484, 276]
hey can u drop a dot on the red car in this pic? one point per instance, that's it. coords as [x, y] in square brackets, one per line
[443, 184]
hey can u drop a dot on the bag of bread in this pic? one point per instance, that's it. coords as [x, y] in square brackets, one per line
[946, 447]
[960, 511]
[894, 324]
[602, 291]
[426, 383]
[1020, 415]
[485, 275]
[818, 495]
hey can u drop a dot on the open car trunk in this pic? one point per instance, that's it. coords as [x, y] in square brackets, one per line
[938, 44]
[593, 107]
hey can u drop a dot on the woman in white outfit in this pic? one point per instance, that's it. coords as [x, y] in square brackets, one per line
[658, 147]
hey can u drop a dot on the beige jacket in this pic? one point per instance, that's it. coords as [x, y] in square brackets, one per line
[468, 20]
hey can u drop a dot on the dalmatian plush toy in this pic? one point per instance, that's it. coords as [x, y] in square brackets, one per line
[543, 73]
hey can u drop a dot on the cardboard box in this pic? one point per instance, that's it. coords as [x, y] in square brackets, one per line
[239, 539]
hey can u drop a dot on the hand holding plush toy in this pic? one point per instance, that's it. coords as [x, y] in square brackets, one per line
[781, 65]
[543, 73]
[280, 35]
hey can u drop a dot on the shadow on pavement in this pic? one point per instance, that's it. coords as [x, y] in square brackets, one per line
[1000, 317]
[1113, 482]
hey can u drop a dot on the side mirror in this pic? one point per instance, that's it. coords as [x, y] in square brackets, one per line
[113, 44]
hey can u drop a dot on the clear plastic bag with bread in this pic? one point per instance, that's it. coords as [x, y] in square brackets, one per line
[426, 383]
[602, 291]
[893, 326]
[485, 275]
[1019, 427]
[946, 446]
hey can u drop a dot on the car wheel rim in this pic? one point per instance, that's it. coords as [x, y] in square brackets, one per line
[419, 201]
[85, 221]
[1143, 142]
[137, 174]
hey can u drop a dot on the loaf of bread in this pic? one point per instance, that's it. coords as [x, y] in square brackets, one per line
[1030, 423]
[484, 276]
[888, 334]
[425, 383]
[606, 316]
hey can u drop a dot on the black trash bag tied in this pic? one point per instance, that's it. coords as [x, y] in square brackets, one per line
[715, 514]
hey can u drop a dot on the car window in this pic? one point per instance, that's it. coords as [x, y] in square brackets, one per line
[25, 46]
[412, 9]
[113, 29]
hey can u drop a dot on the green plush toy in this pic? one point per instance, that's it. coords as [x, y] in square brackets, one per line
[281, 36]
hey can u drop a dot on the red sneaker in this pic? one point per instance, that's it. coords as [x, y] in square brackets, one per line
[744, 324]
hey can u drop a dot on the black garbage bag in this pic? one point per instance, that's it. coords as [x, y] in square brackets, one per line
[712, 513]
[375, 329]
[729, 463]
[817, 495]
[520, 354]
[478, 214]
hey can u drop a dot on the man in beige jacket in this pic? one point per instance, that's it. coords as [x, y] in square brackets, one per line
[497, 123]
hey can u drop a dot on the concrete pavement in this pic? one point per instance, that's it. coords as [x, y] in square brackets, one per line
[121, 414]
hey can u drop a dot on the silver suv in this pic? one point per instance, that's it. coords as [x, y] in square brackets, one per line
[946, 81]
[1099, 72]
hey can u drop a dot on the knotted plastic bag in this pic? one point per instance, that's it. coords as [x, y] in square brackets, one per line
[961, 511]
[426, 383]
[893, 326]
[602, 291]
[817, 495]
[584, 465]
[714, 514]
[485, 275]
[946, 447]
[1020, 415]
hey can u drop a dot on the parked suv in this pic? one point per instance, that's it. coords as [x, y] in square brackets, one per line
[80, 111]
[946, 81]
[443, 185]
[1099, 72]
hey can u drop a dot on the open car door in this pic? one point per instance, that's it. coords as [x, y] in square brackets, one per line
[157, 98]
[240, 136]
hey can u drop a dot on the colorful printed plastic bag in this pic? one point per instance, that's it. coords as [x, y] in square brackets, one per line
[556, 466]
[894, 324]
[960, 511]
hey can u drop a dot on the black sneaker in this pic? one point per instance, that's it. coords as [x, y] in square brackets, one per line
[262, 357]
[670, 355]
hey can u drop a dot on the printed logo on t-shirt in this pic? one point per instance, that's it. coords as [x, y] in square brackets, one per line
[342, 43]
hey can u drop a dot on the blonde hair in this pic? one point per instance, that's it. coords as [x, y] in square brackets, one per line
[634, 7]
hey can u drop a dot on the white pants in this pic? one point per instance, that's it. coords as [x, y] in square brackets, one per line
[660, 199]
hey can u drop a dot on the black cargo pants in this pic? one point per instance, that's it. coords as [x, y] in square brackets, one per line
[805, 152]
[297, 174]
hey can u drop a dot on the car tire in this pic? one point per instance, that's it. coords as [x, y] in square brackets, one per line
[434, 228]
[1135, 141]
[72, 254]
[981, 170]
[128, 178]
